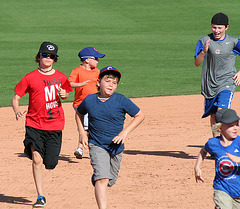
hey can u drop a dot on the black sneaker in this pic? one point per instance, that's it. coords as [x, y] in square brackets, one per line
[41, 202]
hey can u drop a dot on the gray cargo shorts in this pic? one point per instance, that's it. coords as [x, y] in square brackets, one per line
[105, 165]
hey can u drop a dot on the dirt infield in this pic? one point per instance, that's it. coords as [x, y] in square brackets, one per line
[157, 165]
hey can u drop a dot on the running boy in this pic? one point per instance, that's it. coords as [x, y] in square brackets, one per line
[227, 178]
[106, 111]
[45, 116]
[217, 51]
[84, 79]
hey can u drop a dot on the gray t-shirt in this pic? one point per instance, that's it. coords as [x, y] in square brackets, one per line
[218, 67]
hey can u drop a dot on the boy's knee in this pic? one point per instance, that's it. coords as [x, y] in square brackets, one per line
[37, 158]
[103, 182]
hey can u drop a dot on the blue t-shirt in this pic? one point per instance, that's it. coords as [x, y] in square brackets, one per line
[106, 119]
[227, 176]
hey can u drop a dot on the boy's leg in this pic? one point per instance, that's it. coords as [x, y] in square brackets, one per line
[101, 193]
[236, 203]
[34, 149]
[37, 163]
[53, 143]
[222, 100]
[100, 161]
[212, 122]
[115, 164]
[222, 200]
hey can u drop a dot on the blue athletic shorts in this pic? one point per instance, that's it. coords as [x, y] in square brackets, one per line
[222, 100]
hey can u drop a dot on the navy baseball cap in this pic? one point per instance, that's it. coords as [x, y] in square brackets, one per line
[220, 19]
[89, 52]
[49, 48]
[226, 116]
[109, 70]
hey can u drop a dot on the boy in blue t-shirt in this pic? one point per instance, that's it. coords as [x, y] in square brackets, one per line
[106, 111]
[226, 149]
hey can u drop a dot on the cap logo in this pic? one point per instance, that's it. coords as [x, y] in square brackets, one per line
[50, 47]
[109, 68]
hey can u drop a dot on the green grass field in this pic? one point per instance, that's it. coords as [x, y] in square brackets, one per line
[151, 42]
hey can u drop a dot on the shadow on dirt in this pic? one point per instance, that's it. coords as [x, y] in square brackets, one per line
[14, 200]
[176, 154]
[62, 157]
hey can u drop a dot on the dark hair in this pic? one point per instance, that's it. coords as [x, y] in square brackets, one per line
[37, 57]
[109, 75]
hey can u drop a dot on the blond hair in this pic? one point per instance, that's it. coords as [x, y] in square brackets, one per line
[216, 127]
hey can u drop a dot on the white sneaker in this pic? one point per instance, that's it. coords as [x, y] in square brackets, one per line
[78, 153]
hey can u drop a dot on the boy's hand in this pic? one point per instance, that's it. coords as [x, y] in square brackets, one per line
[205, 49]
[237, 79]
[20, 114]
[62, 92]
[84, 83]
[120, 138]
[198, 175]
[83, 139]
[234, 158]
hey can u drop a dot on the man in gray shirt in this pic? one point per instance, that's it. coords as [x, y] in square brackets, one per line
[217, 51]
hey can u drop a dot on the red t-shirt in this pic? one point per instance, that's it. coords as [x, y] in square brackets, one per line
[79, 75]
[45, 110]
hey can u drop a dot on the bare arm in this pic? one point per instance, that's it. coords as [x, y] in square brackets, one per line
[138, 118]
[15, 106]
[83, 138]
[200, 57]
[198, 172]
[75, 85]
[234, 158]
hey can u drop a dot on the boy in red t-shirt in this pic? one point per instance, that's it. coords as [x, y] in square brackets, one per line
[84, 79]
[45, 117]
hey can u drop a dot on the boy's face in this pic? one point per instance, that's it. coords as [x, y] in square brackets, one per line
[108, 85]
[219, 31]
[229, 131]
[93, 62]
[46, 61]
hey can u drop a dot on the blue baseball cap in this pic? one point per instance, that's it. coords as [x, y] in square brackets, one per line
[89, 52]
[109, 70]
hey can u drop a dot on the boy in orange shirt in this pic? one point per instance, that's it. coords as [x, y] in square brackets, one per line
[84, 79]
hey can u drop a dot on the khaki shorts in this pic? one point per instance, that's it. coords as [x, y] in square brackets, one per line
[225, 201]
[105, 166]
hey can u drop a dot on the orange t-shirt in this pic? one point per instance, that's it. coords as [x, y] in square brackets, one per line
[79, 75]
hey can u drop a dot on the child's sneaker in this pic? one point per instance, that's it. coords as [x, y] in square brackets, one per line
[78, 153]
[41, 202]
